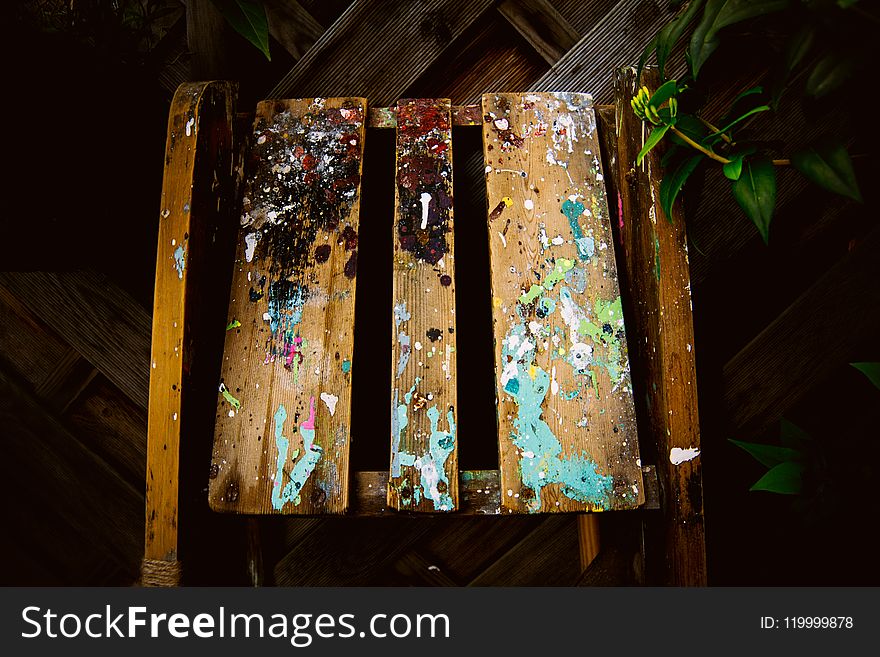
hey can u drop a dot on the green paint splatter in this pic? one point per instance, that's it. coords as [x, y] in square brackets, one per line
[233, 324]
[228, 397]
[560, 269]
[656, 257]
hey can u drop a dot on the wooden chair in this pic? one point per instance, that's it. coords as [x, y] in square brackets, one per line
[574, 381]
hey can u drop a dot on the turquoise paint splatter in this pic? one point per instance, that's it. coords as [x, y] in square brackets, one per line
[304, 467]
[586, 246]
[540, 461]
[432, 464]
[401, 316]
[179, 261]
[346, 366]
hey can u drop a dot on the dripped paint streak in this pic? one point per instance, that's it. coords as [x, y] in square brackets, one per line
[433, 479]
[286, 302]
[424, 179]
[303, 468]
[586, 246]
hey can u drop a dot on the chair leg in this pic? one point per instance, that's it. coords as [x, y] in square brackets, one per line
[588, 538]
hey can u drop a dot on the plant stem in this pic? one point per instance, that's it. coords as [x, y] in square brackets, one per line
[715, 156]
[714, 129]
[705, 151]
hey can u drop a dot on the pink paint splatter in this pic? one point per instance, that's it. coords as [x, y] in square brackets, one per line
[292, 350]
[310, 423]
[620, 215]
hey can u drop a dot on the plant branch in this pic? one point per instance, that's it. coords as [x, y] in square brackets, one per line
[705, 151]
[716, 130]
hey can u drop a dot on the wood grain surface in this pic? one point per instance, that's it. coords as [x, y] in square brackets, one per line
[424, 450]
[282, 433]
[566, 421]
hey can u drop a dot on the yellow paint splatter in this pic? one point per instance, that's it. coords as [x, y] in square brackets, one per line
[507, 201]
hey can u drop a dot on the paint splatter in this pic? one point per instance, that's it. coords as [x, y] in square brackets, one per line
[446, 280]
[433, 480]
[346, 366]
[234, 324]
[322, 253]
[434, 334]
[179, 261]
[330, 401]
[302, 468]
[424, 179]
[236, 404]
[677, 455]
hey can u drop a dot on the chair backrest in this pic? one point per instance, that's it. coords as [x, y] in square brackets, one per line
[566, 410]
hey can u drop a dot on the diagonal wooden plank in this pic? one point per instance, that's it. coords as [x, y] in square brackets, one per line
[801, 346]
[365, 48]
[567, 429]
[282, 434]
[542, 26]
[589, 66]
[97, 318]
[64, 475]
[424, 445]
[547, 556]
[292, 26]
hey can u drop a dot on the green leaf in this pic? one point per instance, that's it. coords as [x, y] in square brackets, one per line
[655, 136]
[829, 166]
[721, 131]
[791, 435]
[829, 73]
[691, 126]
[719, 14]
[870, 370]
[733, 169]
[846, 4]
[795, 52]
[769, 455]
[674, 179]
[644, 58]
[248, 18]
[755, 191]
[672, 32]
[666, 91]
[786, 479]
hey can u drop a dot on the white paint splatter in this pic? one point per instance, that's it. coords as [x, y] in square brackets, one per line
[502, 124]
[330, 400]
[250, 241]
[426, 201]
[189, 126]
[529, 203]
[677, 456]
[503, 239]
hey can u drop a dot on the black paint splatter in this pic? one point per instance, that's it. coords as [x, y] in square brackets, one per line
[446, 280]
[322, 253]
[351, 266]
[434, 334]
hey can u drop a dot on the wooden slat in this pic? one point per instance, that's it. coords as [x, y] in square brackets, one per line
[367, 46]
[97, 318]
[199, 152]
[283, 414]
[658, 309]
[542, 26]
[424, 443]
[567, 427]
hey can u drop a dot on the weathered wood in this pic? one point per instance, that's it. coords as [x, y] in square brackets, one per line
[424, 443]
[658, 310]
[94, 316]
[283, 413]
[542, 26]
[589, 65]
[462, 115]
[567, 427]
[198, 168]
[589, 538]
[763, 379]
[363, 49]
[547, 556]
[86, 493]
[206, 30]
[292, 26]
